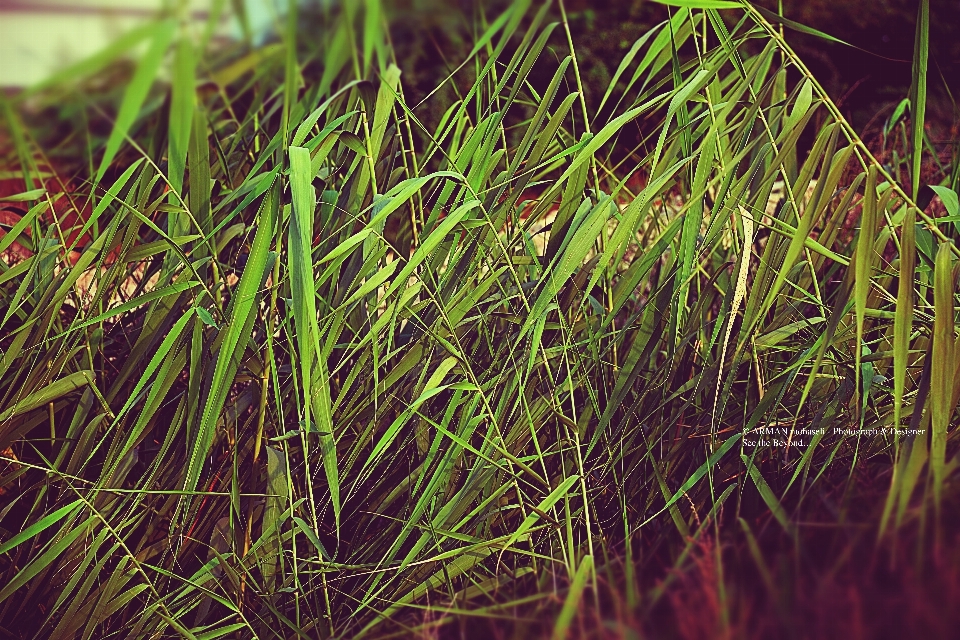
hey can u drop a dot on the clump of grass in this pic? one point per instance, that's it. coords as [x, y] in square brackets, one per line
[349, 393]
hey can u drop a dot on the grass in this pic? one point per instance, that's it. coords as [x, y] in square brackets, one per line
[316, 367]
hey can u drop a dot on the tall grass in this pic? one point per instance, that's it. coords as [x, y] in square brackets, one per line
[314, 367]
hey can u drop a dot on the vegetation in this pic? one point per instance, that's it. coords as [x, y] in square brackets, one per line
[284, 358]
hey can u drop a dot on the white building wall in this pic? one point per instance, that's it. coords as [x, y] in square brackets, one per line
[40, 37]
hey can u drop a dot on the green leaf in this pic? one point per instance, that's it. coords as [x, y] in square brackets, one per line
[273, 511]
[950, 201]
[240, 315]
[768, 496]
[701, 4]
[918, 93]
[136, 92]
[182, 104]
[40, 526]
[941, 384]
[54, 390]
[204, 315]
[865, 260]
[572, 602]
[53, 553]
[26, 196]
[150, 296]
[313, 366]
[545, 505]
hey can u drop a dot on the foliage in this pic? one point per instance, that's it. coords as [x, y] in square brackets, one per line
[312, 368]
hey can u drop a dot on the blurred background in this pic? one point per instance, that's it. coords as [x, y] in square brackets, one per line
[39, 37]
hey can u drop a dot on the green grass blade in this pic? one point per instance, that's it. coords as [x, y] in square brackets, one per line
[941, 385]
[572, 602]
[918, 94]
[136, 93]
